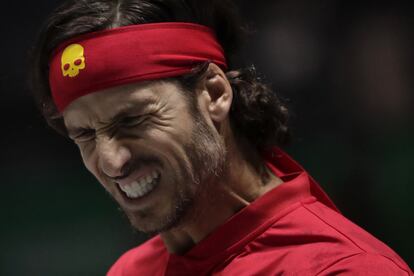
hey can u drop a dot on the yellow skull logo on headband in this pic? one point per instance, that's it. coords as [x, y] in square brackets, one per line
[73, 60]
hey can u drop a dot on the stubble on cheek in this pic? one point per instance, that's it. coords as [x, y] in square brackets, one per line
[197, 164]
[168, 212]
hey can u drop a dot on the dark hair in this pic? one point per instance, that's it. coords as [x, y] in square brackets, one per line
[257, 116]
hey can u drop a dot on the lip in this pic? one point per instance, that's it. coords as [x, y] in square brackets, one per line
[136, 175]
[139, 202]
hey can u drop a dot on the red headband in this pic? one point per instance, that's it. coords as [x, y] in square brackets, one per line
[104, 59]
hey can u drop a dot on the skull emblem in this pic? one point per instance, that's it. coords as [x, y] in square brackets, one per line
[73, 60]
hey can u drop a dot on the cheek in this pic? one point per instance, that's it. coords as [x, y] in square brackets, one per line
[167, 143]
[170, 141]
[87, 157]
[90, 161]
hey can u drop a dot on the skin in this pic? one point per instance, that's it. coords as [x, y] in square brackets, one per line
[126, 131]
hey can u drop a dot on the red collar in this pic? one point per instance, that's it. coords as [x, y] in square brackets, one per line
[298, 187]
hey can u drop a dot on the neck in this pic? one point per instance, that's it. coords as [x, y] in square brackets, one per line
[237, 189]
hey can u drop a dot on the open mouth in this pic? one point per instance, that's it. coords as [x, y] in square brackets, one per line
[142, 186]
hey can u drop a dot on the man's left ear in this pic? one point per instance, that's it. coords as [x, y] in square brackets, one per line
[219, 91]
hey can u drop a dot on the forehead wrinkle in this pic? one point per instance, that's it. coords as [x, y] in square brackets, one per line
[105, 107]
[126, 109]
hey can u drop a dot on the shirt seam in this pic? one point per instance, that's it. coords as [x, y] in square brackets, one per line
[338, 261]
[359, 254]
[331, 226]
[268, 224]
[352, 241]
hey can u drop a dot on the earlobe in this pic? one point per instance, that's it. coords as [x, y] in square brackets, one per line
[220, 92]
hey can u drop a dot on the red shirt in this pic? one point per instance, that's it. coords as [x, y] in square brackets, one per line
[293, 229]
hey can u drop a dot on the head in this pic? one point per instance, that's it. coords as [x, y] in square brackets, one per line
[157, 146]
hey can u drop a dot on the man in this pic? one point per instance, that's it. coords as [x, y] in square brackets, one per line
[188, 147]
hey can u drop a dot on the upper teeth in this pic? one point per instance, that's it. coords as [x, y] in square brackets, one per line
[142, 186]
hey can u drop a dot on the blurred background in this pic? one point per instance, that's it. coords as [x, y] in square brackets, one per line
[345, 69]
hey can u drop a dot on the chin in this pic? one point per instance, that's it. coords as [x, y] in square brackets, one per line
[151, 223]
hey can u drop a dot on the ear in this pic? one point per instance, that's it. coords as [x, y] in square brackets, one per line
[219, 93]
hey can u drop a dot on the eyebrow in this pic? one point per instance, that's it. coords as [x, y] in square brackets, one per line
[121, 113]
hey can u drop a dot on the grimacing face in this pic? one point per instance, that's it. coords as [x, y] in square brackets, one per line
[148, 149]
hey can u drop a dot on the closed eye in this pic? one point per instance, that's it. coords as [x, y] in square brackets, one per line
[83, 135]
[132, 121]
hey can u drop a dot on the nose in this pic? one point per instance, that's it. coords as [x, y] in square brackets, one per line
[113, 156]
